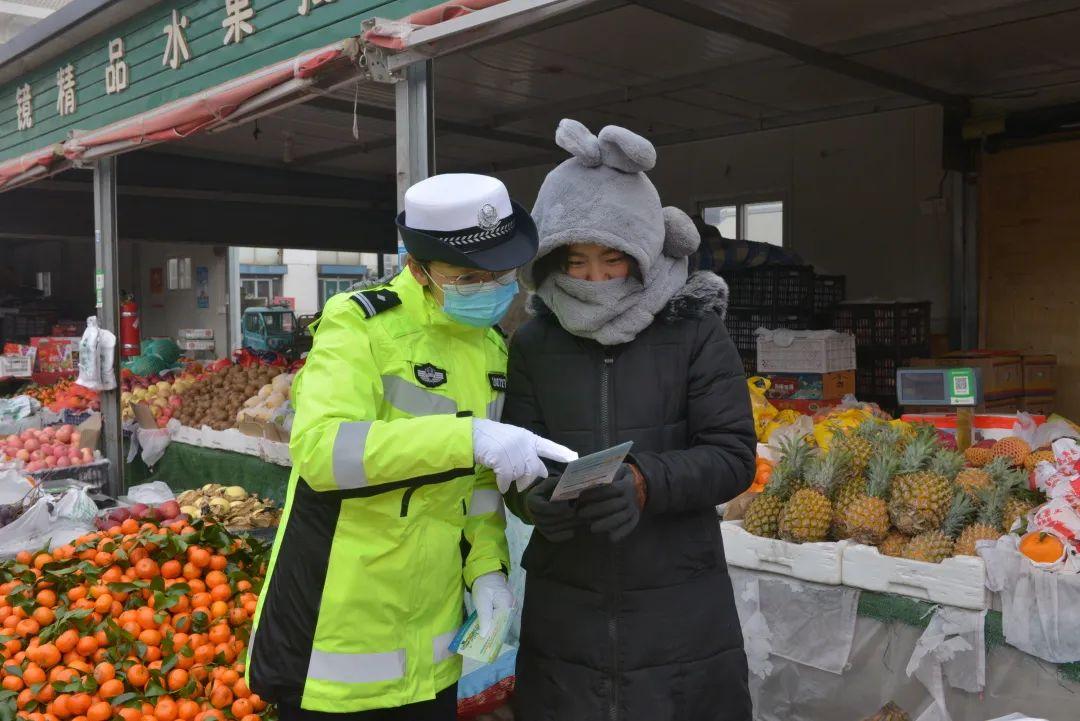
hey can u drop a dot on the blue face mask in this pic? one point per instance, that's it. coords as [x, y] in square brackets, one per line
[480, 305]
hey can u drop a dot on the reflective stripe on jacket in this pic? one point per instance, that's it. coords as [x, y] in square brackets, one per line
[386, 519]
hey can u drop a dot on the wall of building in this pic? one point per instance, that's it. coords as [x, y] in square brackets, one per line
[302, 281]
[859, 196]
[163, 314]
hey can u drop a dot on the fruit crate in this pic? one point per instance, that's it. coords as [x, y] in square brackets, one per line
[829, 291]
[894, 325]
[749, 362]
[959, 581]
[95, 475]
[815, 562]
[806, 353]
[777, 286]
[742, 325]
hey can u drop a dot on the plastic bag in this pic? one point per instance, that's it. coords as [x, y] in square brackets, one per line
[763, 410]
[154, 442]
[106, 359]
[151, 494]
[89, 368]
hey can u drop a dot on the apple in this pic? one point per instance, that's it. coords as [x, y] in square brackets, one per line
[139, 510]
[76, 438]
[34, 466]
[152, 514]
[48, 434]
[87, 455]
[16, 443]
[50, 461]
[32, 445]
[64, 436]
[75, 459]
[169, 509]
[62, 462]
[38, 455]
[23, 455]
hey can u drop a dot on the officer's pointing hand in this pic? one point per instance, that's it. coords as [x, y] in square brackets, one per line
[514, 453]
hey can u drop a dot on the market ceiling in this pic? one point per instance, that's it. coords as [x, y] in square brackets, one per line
[681, 71]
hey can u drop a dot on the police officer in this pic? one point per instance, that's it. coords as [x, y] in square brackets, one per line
[394, 505]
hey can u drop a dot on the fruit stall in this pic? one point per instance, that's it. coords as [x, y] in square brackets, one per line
[874, 562]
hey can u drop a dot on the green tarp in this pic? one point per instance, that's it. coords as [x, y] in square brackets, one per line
[184, 467]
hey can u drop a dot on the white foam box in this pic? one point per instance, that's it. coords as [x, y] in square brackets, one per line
[275, 452]
[815, 562]
[959, 581]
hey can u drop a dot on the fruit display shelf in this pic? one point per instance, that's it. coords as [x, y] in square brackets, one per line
[817, 562]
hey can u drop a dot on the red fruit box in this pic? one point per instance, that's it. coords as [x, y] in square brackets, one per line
[57, 354]
[984, 427]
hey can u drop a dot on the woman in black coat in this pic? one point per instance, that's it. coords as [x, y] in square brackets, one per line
[628, 612]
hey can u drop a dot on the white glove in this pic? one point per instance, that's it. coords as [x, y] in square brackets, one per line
[490, 593]
[514, 453]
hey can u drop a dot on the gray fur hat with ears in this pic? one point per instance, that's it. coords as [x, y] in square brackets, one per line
[601, 195]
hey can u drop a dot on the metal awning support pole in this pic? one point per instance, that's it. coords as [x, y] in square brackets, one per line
[235, 310]
[108, 309]
[415, 118]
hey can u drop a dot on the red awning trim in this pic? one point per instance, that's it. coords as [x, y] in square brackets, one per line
[392, 40]
[180, 118]
[31, 163]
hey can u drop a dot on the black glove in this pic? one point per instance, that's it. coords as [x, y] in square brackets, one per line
[554, 519]
[612, 509]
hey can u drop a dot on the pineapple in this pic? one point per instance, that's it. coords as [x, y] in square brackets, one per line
[867, 519]
[987, 526]
[763, 515]
[889, 712]
[1015, 450]
[937, 545]
[894, 544]
[858, 444]
[976, 481]
[1016, 509]
[807, 516]
[1038, 457]
[922, 492]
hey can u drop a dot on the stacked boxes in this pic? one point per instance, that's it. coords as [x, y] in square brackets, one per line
[810, 371]
[1011, 381]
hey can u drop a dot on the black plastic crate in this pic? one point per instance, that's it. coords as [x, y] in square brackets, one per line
[95, 474]
[775, 286]
[749, 362]
[899, 327]
[742, 325]
[829, 291]
[875, 376]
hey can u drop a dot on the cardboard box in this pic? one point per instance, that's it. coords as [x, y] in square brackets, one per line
[201, 345]
[195, 334]
[1002, 375]
[1040, 375]
[805, 407]
[56, 354]
[269, 431]
[810, 386]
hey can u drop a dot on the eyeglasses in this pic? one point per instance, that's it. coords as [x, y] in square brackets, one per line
[473, 281]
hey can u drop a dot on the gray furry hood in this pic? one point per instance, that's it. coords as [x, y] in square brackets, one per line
[602, 196]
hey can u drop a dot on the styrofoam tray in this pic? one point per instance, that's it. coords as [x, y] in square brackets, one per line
[816, 562]
[959, 581]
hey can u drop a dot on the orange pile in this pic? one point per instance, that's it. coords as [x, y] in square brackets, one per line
[138, 623]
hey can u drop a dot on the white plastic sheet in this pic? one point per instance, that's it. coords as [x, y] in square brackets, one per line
[153, 442]
[1040, 610]
[810, 623]
[151, 493]
[950, 651]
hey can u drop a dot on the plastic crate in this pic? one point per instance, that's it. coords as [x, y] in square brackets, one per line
[749, 362]
[885, 326]
[829, 291]
[807, 354]
[742, 325]
[776, 286]
[95, 474]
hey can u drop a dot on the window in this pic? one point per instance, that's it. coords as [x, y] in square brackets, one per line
[179, 273]
[263, 288]
[329, 286]
[279, 322]
[761, 220]
[253, 322]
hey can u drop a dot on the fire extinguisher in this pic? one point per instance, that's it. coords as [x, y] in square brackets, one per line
[129, 328]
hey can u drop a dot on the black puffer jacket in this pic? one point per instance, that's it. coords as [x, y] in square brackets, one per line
[644, 629]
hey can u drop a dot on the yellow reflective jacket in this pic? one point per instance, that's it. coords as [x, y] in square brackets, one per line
[386, 518]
